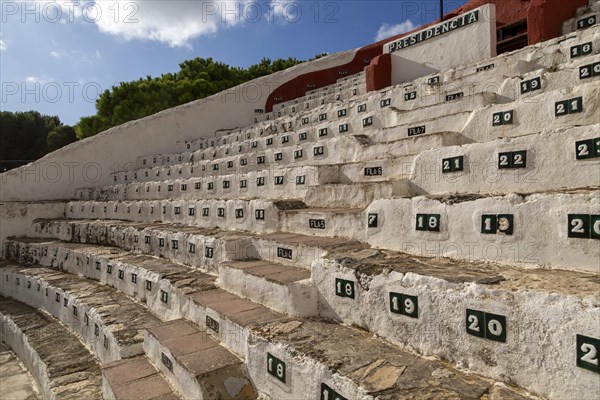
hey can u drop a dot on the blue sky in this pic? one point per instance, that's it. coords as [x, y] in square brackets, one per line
[56, 56]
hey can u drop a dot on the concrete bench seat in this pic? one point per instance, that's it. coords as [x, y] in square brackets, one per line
[399, 141]
[108, 321]
[237, 214]
[198, 366]
[542, 110]
[282, 288]
[353, 195]
[284, 248]
[152, 275]
[354, 365]
[341, 354]
[42, 342]
[536, 229]
[135, 378]
[471, 278]
[563, 75]
[325, 222]
[441, 290]
[479, 172]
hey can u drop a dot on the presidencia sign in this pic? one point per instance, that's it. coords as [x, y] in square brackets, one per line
[466, 39]
[435, 31]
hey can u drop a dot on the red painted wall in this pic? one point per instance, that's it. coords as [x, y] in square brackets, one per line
[543, 18]
[379, 73]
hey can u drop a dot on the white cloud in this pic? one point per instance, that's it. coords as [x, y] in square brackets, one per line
[385, 30]
[3, 45]
[76, 56]
[284, 11]
[36, 79]
[172, 22]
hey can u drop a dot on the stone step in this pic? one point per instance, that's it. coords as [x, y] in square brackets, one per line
[17, 382]
[192, 246]
[338, 362]
[163, 285]
[522, 88]
[319, 359]
[422, 128]
[584, 18]
[456, 103]
[279, 287]
[198, 365]
[344, 223]
[231, 319]
[172, 241]
[42, 342]
[160, 284]
[135, 378]
[350, 195]
[240, 215]
[427, 305]
[530, 230]
[480, 172]
[294, 249]
[106, 320]
[548, 110]
[475, 168]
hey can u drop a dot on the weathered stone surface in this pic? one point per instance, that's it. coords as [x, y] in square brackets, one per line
[44, 342]
[15, 381]
[113, 310]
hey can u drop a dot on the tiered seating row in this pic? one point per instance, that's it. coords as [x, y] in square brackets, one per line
[558, 107]
[294, 368]
[466, 80]
[473, 168]
[107, 321]
[130, 326]
[41, 343]
[340, 278]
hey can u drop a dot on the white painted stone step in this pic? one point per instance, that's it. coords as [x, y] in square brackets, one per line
[60, 364]
[349, 223]
[351, 195]
[301, 359]
[153, 275]
[478, 172]
[294, 249]
[135, 378]
[106, 320]
[282, 288]
[530, 230]
[539, 113]
[438, 307]
[196, 364]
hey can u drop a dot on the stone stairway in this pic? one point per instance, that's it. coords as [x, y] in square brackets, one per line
[437, 238]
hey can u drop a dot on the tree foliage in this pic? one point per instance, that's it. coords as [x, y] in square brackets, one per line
[24, 137]
[27, 136]
[196, 79]
[59, 137]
